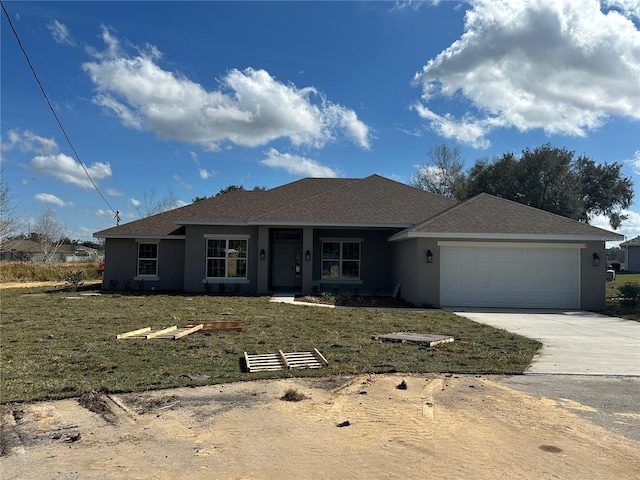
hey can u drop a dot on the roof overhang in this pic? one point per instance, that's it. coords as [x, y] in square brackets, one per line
[143, 237]
[406, 235]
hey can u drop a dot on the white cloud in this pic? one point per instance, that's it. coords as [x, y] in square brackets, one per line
[49, 198]
[114, 193]
[194, 157]
[629, 8]
[68, 170]
[635, 162]
[181, 182]
[60, 33]
[134, 202]
[250, 108]
[563, 66]
[28, 141]
[296, 165]
[102, 212]
[206, 174]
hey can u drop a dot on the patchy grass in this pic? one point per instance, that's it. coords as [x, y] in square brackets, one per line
[46, 272]
[616, 306]
[293, 395]
[54, 345]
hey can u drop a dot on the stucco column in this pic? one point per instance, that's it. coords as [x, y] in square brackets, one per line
[262, 281]
[307, 265]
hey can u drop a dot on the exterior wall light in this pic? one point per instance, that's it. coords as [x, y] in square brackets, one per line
[307, 256]
[596, 260]
[429, 256]
[263, 254]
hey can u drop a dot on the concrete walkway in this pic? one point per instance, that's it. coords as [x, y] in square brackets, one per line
[575, 342]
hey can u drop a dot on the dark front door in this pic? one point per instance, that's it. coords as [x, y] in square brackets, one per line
[286, 260]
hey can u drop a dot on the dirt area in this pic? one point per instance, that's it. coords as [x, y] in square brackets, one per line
[352, 428]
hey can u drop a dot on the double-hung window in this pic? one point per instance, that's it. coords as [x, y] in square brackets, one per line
[341, 259]
[147, 259]
[227, 257]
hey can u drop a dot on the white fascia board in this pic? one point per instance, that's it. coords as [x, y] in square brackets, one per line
[146, 237]
[447, 243]
[500, 236]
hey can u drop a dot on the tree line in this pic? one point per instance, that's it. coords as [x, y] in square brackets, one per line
[546, 177]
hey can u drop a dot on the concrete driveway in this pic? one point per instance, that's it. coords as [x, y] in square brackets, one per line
[574, 342]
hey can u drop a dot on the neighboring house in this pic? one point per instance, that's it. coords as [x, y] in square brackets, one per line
[631, 254]
[28, 250]
[370, 235]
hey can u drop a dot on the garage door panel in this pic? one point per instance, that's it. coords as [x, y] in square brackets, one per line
[544, 277]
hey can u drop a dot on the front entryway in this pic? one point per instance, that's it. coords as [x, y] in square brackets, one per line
[286, 259]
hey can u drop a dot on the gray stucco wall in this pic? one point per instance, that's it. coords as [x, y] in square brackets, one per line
[593, 279]
[195, 258]
[375, 261]
[419, 281]
[121, 264]
[632, 263]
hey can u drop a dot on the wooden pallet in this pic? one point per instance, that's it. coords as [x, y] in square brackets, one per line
[172, 333]
[222, 326]
[284, 361]
[429, 340]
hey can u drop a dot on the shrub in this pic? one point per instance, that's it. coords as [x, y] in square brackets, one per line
[630, 292]
[73, 279]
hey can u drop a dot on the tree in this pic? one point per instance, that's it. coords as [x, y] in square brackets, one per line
[230, 188]
[442, 174]
[50, 233]
[9, 215]
[551, 179]
[151, 205]
[604, 190]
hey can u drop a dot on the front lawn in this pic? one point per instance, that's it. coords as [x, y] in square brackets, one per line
[55, 345]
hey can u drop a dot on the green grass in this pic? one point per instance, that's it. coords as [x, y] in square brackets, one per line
[52, 346]
[616, 307]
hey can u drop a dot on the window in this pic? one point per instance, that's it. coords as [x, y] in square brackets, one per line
[341, 259]
[226, 258]
[147, 259]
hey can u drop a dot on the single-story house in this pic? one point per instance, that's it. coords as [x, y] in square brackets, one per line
[30, 251]
[632, 254]
[369, 235]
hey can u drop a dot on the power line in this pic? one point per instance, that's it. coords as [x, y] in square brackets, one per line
[55, 115]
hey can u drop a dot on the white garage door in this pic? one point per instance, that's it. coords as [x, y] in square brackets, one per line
[510, 275]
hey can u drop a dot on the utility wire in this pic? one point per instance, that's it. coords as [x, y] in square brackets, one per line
[55, 115]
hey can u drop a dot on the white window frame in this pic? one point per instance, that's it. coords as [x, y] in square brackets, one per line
[153, 276]
[226, 278]
[340, 278]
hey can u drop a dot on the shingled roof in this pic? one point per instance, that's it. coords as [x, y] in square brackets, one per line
[370, 201]
[373, 201]
[488, 216]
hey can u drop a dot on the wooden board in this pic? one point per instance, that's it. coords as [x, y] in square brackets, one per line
[172, 333]
[284, 361]
[222, 326]
[402, 337]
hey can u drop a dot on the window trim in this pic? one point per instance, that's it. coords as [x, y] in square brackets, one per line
[227, 238]
[341, 241]
[154, 276]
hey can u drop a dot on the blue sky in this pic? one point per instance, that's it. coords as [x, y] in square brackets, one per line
[190, 97]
